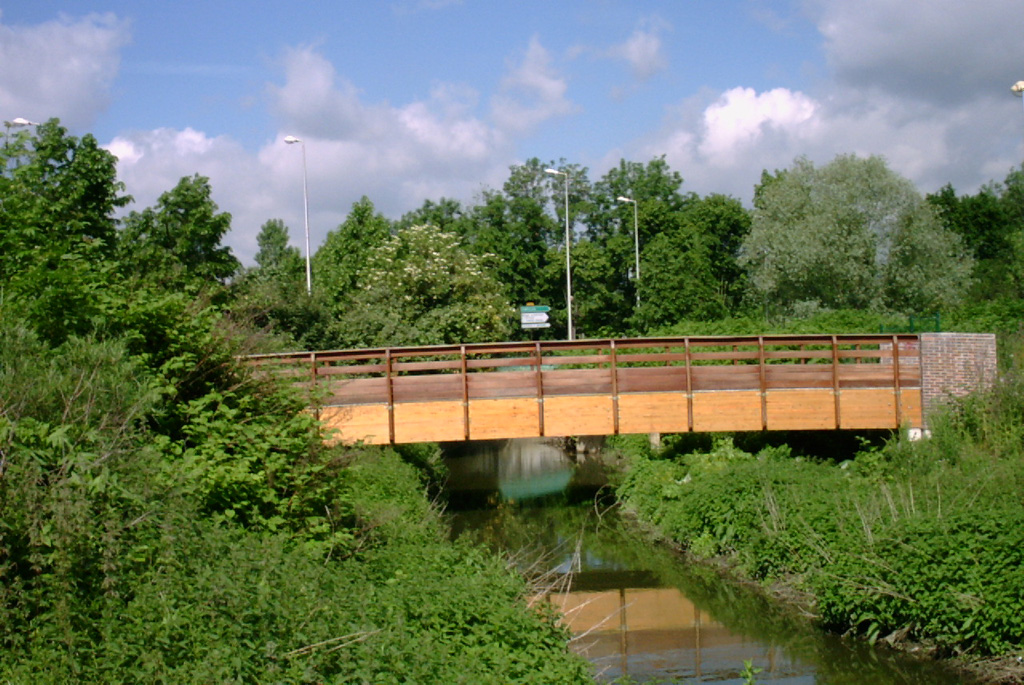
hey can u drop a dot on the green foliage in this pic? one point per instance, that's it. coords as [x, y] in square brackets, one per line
[57, 230]
[678, 281]
[337, 263]
[178, 242]
[275, 256]
[851, 234]
[422, 287]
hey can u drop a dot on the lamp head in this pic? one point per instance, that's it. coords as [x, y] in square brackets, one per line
[1018, 88]
[621, 198]
[292, 140]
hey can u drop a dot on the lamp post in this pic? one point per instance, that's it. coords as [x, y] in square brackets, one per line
[1018, 89]
[291, 140]
[568, 243]
[636, 242]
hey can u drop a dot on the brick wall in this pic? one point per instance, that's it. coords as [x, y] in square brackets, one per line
[953, 365]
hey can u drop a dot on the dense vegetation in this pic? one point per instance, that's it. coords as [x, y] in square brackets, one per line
[165, 515]
[907, 541]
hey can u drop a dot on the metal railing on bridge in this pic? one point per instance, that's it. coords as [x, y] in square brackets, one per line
[589, 387]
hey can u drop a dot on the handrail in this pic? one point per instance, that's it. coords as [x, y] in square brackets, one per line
[704, 358]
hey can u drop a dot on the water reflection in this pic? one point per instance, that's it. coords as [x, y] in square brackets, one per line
[634, 608]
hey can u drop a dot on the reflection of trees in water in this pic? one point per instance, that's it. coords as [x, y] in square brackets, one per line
[542, 536]
[574, 529]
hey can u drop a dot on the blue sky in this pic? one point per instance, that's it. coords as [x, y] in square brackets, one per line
[407, 100]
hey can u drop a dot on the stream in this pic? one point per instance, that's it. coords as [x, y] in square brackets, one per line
[637, 611]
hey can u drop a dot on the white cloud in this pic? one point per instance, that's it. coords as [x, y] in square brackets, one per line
[643, 51]
[531, 93]
[151, 163]
[396, 155]
[923, 83]
[61, 68]
[942, 51]
[742, 119]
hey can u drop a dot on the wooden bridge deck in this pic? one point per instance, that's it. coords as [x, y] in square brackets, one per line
[604, 387]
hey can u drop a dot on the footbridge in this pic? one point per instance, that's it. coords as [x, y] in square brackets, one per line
[649, 385]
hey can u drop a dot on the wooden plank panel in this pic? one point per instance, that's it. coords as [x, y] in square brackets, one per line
[652, 379]
[867, 408]
[726, 377]
[428, 422]
[801, 409]
[493, 419]
[355, 391]
[366, 423]
[590, 415]
[439, 387]
[504, 384]
[577, 382]
[799, 376]
[738, 410]
[653, 413]
[913, 413]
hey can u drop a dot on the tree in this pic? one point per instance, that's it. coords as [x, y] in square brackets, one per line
[852, 234]
[179, 240]
[511, 235]
[58, 197]
[723, 224]
[272, 297]
[337, 263]
[421, 287]
[275, 255]
[446, 214]
[679, 280]
[991, 224]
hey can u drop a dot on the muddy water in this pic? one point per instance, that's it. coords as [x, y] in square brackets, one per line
[634, 608]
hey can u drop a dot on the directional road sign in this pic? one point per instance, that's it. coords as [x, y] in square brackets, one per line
[534, 317]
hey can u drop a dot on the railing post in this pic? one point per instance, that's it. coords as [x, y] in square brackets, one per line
[689, 387]
[312, 389]
[540, 390]
[763, 380]
[391, 396]
[897, 388]
[835, 381]
[615, 390]
[465, 393]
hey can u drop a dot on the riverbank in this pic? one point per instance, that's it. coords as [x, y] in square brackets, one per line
[919, 545]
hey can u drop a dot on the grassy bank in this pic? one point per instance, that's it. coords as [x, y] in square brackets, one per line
[168, 518]
[906, 542]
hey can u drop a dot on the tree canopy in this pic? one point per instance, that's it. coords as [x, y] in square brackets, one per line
[851, 234]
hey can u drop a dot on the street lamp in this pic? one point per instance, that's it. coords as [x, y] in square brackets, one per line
[19, 121]
[15, 123]
[1018, 88]
[568, 243]
[636, 243]
[291, 140]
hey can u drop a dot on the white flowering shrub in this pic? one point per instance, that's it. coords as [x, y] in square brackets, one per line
[422, 287]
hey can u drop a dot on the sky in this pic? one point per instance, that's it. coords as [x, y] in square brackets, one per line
[403, 101]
